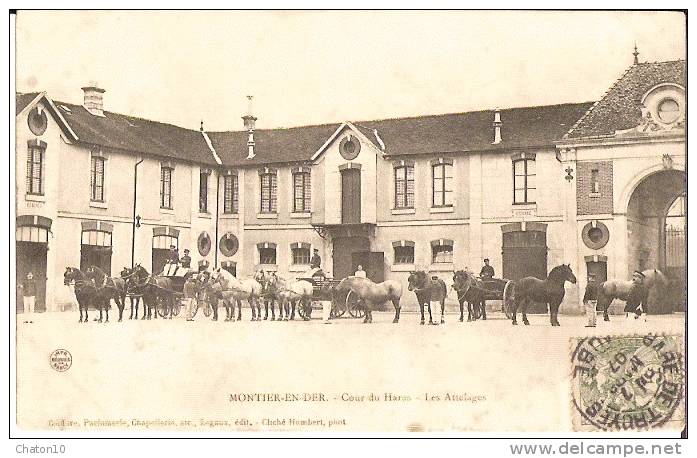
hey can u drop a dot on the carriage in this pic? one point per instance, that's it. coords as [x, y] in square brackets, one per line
[176, 294]
[322, 290]
[498, 289]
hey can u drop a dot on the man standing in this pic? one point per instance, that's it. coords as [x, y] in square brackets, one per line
[316, 261]
[29, 294]
[590, 299]
[172, 262]
[487, 271]
[636, 299]
[186, 260]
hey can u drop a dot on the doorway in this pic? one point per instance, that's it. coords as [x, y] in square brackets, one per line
[351, 196]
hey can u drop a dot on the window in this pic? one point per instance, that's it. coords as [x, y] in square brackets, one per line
[301, 253]
[230, 194]
[35, 169]
[97, 179]
[668, 111]
[267, 255]
[442, 183]
[404, 186]
[268, 192]
[403, 252]
[166, 187]
[595, 181]
[203, 192]
[302, 191]
[524, 186]
[442, 251]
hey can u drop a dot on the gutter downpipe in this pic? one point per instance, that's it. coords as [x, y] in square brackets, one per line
[133, 222]
[217, 218]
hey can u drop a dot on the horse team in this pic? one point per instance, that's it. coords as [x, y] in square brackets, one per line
[95, 288]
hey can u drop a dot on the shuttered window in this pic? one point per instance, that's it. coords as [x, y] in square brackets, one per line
[301, 192]
[35, 169]
[230, 194]
[404, 186]
[442, 184]
[269, 191]
[267, 255]
[97, 179]
[442, 251]
[300, 252]
[166, 187]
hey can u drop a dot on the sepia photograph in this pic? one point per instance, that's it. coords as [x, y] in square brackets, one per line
[344, 223]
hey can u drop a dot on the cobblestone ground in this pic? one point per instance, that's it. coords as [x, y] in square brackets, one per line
[505, 377]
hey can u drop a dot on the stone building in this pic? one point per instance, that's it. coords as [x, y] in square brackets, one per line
[589, 184]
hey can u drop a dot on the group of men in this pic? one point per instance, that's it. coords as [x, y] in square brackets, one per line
[174, 262]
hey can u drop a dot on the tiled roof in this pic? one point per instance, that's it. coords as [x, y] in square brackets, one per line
[620, 107]
[449, 133]
[24, 99]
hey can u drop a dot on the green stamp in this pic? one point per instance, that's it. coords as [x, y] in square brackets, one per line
[628, 383]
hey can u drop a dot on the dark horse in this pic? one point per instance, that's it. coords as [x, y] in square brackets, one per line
[428, 289]
[84, 289]
[269, 292]
[549, 291]
[155, 289]
[133, 291]
[106, 289]
[470, 289]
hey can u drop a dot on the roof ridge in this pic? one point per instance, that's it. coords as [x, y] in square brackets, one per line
[587, 113]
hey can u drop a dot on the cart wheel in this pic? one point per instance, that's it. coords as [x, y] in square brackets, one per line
[194, 307]
[508, 299]
[352, 305]
[176, 308]
[161, 306]
[300, 310]
[207, 308]
[476, 311]
[338, 309]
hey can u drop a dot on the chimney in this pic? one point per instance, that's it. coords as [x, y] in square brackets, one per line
[497, 127]
[94, 102]
[249, 122]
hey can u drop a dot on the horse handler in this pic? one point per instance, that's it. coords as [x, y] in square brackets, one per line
[590, 300]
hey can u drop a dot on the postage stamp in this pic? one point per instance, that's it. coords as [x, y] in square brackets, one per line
[628, 383]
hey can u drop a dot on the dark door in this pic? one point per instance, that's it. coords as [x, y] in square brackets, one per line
[598, 268]
[343, 251]
[373, 263]
[159, 259]
[98, 256]
[525, 255]
[351, 196]
[31, 257]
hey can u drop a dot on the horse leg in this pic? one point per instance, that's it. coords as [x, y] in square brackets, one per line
[130, 300]
[430, 316]
[292, 310]
[553, 311]
[273, 310]
[482, 304]
[107, 306]
[442, 311]
[469, 311]
[397, 309]
[514, 312]
[524, 310]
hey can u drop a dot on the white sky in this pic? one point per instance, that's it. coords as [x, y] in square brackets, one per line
[318, 67]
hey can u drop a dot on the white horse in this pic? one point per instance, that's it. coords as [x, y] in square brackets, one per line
[290, 293]
[229, 288]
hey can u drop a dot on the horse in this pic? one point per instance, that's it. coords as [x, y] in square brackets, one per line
[469, 289]
[229, 288]
[269, 293]
[107, 288]
[654, 280]
[427, 290]
[155, 289]
[84, 289]
[549, 291]
[290, 293]
[195, 290]
[371, 295]
[133, 291]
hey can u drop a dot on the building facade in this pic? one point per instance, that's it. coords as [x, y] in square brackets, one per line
[529, 188]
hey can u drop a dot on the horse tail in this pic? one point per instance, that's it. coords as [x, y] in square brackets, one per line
[444, 288]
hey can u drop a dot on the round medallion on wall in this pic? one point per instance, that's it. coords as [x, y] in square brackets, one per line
[349, 147]
[229, 244]
[38, 121]
[204, 243]
[595, 235]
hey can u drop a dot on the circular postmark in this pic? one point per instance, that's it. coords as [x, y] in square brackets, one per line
[61, 360]
[622, 383]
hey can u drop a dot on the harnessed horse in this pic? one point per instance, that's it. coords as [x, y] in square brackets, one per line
[84, 289]
[107, 288]
[427, 290]
[153, 289]
[371, 295]
[228, 288]
[469, 289]
[290, 293]
[549, 291]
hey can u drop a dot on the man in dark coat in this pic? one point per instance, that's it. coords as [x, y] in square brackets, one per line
[173, 255]
[186, 260]
[636, 299]
[487, 271]
[590, 300]
[316, 261]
